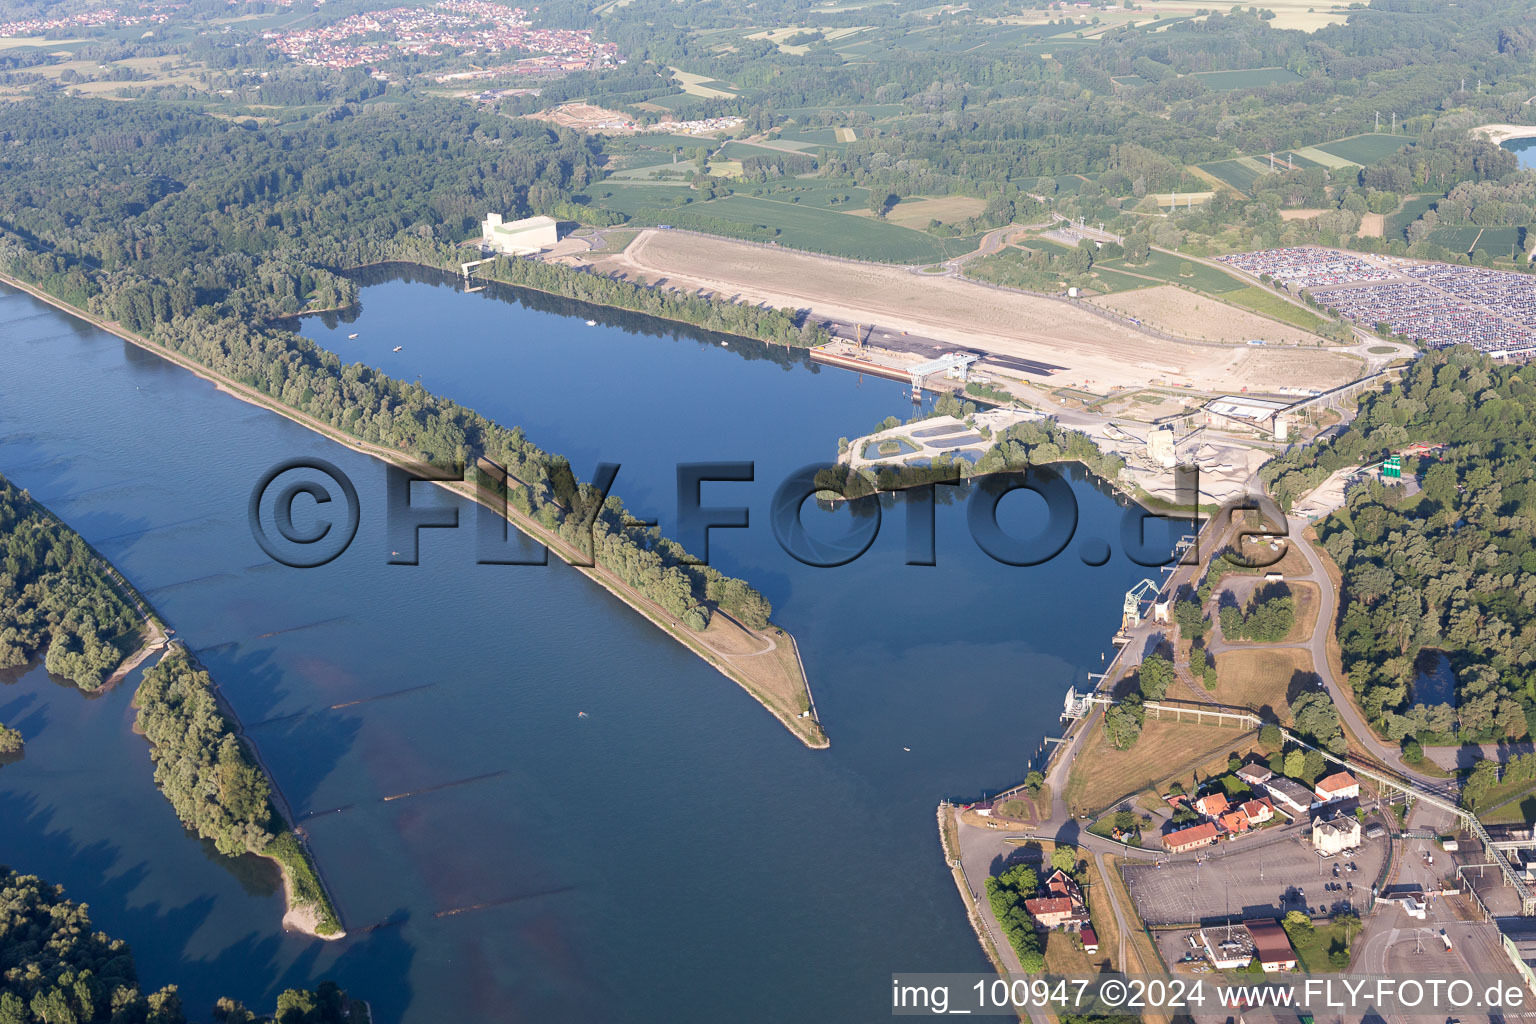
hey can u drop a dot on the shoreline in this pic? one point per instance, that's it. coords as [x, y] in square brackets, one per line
[1498, 134]
[808, 731]
[296, 917]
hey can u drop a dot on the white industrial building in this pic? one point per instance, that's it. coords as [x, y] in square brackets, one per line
[1241, 412]
[519, 237]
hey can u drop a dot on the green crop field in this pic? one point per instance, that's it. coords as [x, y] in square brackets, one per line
[626, 198]
[1498, 241]
[1411, 210]
[677, 102]
[1115, 281]
[1165, 267]
[875, 110]
[1261, 301]
[1232, 173]
[1252, 78]
[1494, 241]
[838, 195]
[812, 137]
[1129, 81]
[1297, 160]
[803, 226]
[737, 150]
[1362, 150]
[1455, 239]
[1365, 149]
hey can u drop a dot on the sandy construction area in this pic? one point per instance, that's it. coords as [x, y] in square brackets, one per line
[1191, 315]
[583, 117]
[1096, 352]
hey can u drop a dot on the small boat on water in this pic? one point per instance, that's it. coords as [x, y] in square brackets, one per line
[591, 323]
[399, 347]
[725, 344]
[351, 337]
[581, 714]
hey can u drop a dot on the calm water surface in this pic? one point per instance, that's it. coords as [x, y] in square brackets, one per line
[1525, 149]
[675, 856]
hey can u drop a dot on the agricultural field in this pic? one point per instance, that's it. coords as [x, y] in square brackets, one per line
[916, 212]
[1412, 209]
[1252, 78]
[1169, 267]
[627, 198]
[874, 110]
[677, 103]
[1456, 239]
[1354, 151]
[1366, 149]
[806, 139]
[1494, 241]
[806, 227]
[700, 85]
[169, 71]
[1269, 304]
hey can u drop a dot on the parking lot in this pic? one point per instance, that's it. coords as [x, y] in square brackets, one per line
[1262, 875]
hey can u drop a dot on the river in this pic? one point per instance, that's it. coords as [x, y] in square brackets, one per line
[675, 855]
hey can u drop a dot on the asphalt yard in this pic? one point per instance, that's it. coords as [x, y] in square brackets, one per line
[1251, 877]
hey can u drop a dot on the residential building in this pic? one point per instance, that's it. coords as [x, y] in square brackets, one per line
[1090, 939]
[1288, 795]
[1050, 911]
[1271, 945]
[1255, 774]
[1185, 839]
[1212, 805]
[1338, 786]
[520, 237]
[1336, 835]
[1258, 812]
[1060, 903]
[1234, 821]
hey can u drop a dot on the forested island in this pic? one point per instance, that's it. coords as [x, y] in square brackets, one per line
[55, 592]
[56, 599]
[55, 969]
[217, 788]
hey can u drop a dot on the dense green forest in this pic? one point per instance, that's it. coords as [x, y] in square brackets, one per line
[1451, 569]
[55, 969]
[213, 782]
[56, 597]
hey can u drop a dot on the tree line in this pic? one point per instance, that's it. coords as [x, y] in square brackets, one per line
[212, 780]
[56, 969]
[55, 597]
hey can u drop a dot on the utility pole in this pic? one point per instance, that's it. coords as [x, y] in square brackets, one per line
[1378, 120]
